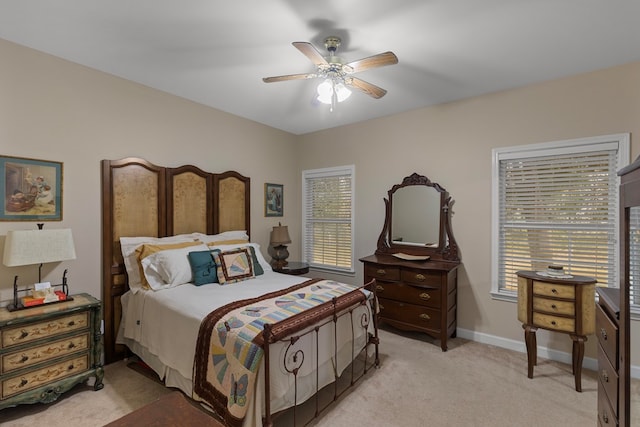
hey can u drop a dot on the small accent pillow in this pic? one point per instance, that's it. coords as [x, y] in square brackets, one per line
[234, 265]
[256, 263]
[168, 268]
[203, 268]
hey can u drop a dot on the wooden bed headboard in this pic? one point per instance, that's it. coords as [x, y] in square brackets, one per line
[143, 199]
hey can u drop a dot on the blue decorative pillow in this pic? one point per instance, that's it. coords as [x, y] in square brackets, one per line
[203, 267]
[257, 268]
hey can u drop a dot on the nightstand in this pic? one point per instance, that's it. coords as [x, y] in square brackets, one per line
[294, 268]
[46, 350]
[564, 305]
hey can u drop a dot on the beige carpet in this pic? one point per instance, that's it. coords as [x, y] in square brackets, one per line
[417, 384]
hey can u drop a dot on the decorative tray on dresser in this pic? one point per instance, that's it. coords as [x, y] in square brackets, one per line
[416, 262]
[46, 350]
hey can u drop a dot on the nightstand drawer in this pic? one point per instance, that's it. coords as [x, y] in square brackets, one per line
[554, 290]
[411, 294]
[421, 277]
[21, 334]
[555, 323]
[30, 356]
[377, 271]
[419, 316]
[43, 376]
[554, 307]
[606, 416]
[607, 333]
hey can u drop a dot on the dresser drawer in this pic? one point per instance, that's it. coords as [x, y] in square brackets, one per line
[554, 306]
[21, 334]
[427, 297]
[45, 375]
[606, 416]
[607, 333]
[38, 354]
[377, 271]
[554, 322]
[421, 277]
[554, 290]
[608, 378]
[415, 315]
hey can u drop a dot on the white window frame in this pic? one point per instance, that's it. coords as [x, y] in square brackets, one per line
[581, 145]
[349, 171]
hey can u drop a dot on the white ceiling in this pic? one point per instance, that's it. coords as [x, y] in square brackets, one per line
[216, 52]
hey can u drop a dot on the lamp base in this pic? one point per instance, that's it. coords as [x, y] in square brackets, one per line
[279, 256]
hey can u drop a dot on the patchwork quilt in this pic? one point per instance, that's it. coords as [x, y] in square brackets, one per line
[230, 341]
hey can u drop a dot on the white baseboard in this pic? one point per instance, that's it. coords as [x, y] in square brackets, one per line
[519, 346]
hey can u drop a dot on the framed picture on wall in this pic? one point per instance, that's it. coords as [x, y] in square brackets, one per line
[273, 200]
[30, 189]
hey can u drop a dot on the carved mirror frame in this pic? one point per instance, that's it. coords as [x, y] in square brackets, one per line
[447, 249]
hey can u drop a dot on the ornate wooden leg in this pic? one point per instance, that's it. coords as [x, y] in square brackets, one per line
[530, 341]
[578, 355]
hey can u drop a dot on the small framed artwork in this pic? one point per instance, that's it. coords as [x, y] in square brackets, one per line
[30, 189]
[273, 201]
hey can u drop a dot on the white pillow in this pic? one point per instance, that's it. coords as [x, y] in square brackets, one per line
[227, 235]
[128, 247]
[169, 268]
[263, 262]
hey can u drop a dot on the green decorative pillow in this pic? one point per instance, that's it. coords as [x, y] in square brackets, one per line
[234, 265]
[203, 267]
[256, 264]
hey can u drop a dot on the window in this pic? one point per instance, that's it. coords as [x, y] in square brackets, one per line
[556, 203]
[327, 218]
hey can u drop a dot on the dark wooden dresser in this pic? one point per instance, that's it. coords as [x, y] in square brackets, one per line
[415, 295]
[607, 330]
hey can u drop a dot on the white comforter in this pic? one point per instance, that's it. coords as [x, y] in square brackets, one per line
[162, 328]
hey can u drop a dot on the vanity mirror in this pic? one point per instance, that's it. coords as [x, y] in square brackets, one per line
[418, 220]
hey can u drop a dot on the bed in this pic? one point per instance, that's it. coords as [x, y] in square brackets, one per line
[308, 332]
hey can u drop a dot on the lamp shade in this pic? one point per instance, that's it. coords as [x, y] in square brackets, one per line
[280, 235]
[26, 247]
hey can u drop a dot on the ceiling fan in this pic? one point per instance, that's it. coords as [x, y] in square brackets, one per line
[337, 74]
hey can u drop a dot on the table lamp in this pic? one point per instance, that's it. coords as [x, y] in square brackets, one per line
[279, 239]
[28, 247]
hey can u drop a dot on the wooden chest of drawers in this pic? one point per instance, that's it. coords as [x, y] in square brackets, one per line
[607, 331]
[557, 304]
[415, 296]
[46, 350]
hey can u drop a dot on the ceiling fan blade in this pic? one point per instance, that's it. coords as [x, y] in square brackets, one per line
[311, 52]
[366, 87]
[289, 77]
[379, 60]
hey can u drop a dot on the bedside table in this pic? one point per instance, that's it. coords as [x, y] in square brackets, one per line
[560, 305]
[46, 350]
[294, 268]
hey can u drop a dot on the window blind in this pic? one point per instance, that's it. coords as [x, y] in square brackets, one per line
[634, 259]
[328, 218]
[558, 209]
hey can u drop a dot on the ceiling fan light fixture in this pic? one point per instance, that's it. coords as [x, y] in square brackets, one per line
[326, 91]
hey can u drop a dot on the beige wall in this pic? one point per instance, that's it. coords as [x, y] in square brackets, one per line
[56, 110]
[451, 144]
[52, 109]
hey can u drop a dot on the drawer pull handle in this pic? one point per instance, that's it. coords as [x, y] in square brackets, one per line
[555, 307]
[379, 288]
[605, 418]
[71, 345]
[420, 277]
[71, 323]
[23, 382]
[24, 334]
[425, 316]
[554, 323]
[425, 296]
[70, 367]
[24, 358]
[604, 376]
[554, 290]
[603, 333]
[381, 306]
[381, 271]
